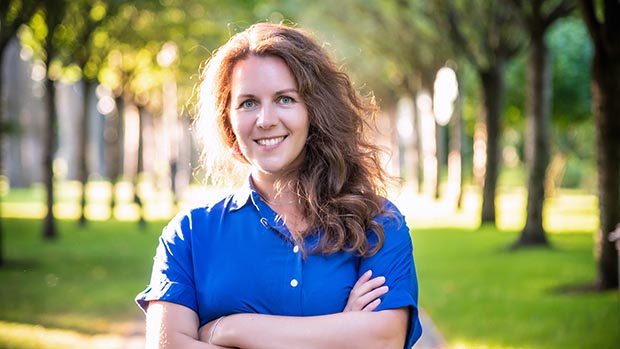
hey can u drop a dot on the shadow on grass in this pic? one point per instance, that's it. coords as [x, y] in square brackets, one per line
[576, 288]
[20, 264]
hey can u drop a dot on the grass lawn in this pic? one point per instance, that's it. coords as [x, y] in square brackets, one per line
[77, 291]
[82, 283]
[480, 295]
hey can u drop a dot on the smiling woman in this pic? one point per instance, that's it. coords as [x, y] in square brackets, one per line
[308, 253]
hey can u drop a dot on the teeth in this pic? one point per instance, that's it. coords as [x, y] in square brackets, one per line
[270, 141]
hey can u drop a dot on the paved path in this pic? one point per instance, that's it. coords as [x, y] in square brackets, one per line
[431, 337]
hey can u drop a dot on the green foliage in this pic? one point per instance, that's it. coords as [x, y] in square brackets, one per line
[571, 53]
[13, 14]
[480, 295]
[572, 56]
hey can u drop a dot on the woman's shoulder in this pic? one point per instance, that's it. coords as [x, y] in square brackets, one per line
[390, 212]
[394, 223]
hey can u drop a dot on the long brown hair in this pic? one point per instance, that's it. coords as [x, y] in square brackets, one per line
[341, 181]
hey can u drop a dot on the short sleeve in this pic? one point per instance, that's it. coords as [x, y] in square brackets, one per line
[395, 262]
[172, 277]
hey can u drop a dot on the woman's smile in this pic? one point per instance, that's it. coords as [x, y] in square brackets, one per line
[270, 141]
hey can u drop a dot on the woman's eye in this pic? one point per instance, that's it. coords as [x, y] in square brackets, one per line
[247, 104]
[286, 100]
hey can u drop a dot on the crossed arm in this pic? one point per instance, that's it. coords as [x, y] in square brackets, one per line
[171, 325]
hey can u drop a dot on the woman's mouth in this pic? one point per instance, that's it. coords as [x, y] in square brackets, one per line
[270, 141]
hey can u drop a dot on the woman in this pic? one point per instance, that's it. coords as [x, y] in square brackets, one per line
[288, 260]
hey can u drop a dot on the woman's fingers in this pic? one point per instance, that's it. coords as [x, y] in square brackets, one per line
[372, 305]
[364, 278]
[371, 299]
[368, 286]
[364, 296]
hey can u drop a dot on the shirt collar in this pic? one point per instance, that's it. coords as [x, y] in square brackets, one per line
[241, 196]
[245, 194]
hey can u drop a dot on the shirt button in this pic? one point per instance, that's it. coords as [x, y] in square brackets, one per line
[294, 283]
[295, 249]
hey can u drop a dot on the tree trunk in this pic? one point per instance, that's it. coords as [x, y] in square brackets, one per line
[493, 88]
[605, 33]
[417, 169]
[83, 150]
[606, 109]
[114, 146]
[140, 167]
[440, 156]
[536, 138]
[2, 130]
[455, 155]
[54, 10]
[49, 146]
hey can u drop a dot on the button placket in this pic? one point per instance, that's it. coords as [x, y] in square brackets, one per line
[297, 268]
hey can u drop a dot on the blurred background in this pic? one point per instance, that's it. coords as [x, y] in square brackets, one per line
[501, 117]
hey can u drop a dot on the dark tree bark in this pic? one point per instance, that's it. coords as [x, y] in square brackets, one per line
[536, 19]
[605, 33]
[140, 167]
[8, 30]
[114, 148]
[487, 46]
[83, 150]
[49, 143]
[493, 87]
[418, 168]
[53, 13]
[537, 139]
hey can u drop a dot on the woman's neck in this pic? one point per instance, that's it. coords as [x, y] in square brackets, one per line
[265, 186]
[285, 202]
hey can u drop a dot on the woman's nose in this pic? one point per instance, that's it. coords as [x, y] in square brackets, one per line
[267, 118]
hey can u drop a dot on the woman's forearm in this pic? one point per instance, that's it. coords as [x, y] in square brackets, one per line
[383, 329]
[172, 326]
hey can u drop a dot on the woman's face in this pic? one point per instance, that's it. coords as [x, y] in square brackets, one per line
[267, 114]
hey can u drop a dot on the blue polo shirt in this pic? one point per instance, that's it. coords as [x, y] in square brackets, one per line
[235, 255]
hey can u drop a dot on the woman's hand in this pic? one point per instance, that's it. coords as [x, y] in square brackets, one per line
[207, 332]
[364, 295]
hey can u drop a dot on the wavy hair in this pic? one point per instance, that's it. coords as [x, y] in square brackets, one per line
[341, 182]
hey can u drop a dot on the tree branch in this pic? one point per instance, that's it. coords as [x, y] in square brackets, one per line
[563, 9]
[458, 37]
[592, 23]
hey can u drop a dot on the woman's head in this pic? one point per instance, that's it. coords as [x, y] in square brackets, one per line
[333, 105]
[341, 173]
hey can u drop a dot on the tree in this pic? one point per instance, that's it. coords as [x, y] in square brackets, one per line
[603, 21]
[484, 32]
[536, 18]
[13, 14]
[53, 11]
[87, 47]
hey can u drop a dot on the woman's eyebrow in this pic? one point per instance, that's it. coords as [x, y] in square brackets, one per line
[246, 95]
[288, 90]
[279, 92]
